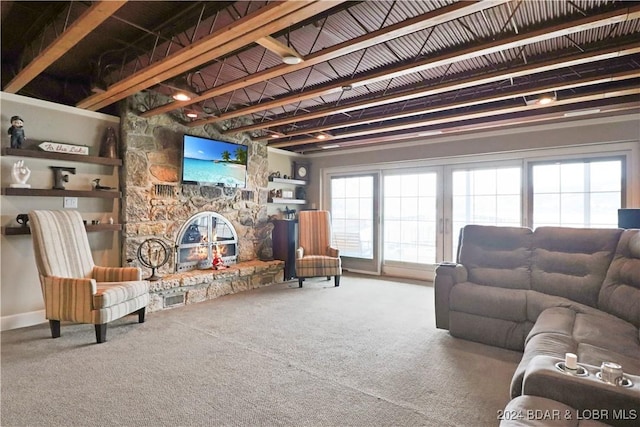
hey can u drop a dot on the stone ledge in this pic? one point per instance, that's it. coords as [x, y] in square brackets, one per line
[176, 290]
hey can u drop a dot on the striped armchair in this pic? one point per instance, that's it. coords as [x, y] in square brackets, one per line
[73, 288]
[315, 256]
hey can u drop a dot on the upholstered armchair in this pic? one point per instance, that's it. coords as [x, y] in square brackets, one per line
[315, 256]
[74, 289]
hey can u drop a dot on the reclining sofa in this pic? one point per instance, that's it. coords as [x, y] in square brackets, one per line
[546, 293]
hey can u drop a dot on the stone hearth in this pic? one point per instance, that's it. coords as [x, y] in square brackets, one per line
[175, 290]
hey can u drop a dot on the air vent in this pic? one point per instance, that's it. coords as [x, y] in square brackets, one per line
[173, 300]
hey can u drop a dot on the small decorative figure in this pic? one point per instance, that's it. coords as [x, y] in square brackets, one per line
[218, 263]
[109, 144]
[96, 185]
[23, 220]
[20, 174]
[17, 132]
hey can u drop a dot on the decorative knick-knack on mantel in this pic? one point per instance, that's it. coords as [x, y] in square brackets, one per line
[109, 144]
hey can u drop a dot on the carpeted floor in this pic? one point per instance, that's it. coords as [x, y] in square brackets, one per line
[364, 354]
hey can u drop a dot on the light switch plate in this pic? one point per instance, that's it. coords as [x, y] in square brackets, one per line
[70, 203]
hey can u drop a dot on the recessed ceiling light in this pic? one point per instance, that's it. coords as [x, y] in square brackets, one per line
[291, 59]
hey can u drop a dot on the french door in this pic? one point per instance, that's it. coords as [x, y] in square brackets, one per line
[403, 222]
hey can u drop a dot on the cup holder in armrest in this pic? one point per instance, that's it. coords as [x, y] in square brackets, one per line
[580, 371]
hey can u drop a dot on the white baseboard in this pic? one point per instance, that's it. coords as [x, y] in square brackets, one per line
[22, 320]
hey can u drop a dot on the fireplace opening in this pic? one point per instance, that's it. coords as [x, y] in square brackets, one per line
[200, 237]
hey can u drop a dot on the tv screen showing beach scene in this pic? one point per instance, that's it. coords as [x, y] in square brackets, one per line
[208, 161]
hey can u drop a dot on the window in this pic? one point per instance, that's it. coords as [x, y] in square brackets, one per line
[576, 193]
[487, 196]
[352, 215]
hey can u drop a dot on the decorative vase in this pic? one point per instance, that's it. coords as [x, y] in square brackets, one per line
[109, 144]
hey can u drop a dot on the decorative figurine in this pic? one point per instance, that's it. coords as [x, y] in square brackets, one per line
[23, 220]
[109, 144]
[20, 174]
[96, 185]
[17, 132]
[218, 263]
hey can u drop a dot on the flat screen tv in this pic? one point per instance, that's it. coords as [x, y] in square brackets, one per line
[209, 161]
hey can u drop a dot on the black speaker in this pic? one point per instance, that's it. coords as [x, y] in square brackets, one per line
[629, 218]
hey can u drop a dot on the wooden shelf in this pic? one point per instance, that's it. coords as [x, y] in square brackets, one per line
[14, 231]
[288, 181]
[44, 192]
[288, 201]
[22, 152]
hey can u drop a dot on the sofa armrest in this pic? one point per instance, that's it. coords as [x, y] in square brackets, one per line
[447, 275]
[588, 395]
[116, 274]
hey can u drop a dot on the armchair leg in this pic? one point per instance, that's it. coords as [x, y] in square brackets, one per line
[337, 280]
[141, 315]
[300, 279]
[55, 328]
[101, 333]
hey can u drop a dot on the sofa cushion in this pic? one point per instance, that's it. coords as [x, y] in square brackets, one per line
[572, 262]
[497, 256]
[499, 303]
[620, 292]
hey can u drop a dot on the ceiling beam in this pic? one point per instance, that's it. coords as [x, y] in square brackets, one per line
[523, 70]
[79, 29]
[456, 116]
[418, 23]
[269, 19]
[518, 40]
[277, 47]
[516, 93]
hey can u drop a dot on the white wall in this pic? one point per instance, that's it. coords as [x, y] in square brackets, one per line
[21, 299]
[588, 135]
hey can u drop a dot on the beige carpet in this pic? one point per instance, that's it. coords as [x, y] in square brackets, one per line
[364, 354]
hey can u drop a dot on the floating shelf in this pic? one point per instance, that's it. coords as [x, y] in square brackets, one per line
[288, 201]
[44, 192]
[288, 181]
[22, 152]
[14, 231]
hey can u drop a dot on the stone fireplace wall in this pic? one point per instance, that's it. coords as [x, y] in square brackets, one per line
[155, 203]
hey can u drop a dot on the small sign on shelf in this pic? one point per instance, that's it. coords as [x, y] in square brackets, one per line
[59, 147]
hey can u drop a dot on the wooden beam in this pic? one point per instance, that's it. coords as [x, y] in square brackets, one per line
[455, 116]
[272, 18]
[523, 70]
[518, 40]
[421, 22]
[87, 22]
[517, 93]
[276, 47]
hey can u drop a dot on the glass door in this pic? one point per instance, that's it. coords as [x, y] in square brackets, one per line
[354, 218]
[412, 235]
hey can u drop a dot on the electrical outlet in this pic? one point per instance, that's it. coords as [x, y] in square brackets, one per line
[70, 203]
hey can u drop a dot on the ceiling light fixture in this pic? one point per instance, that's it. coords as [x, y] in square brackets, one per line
[328, 147]
[321, 136]
[581, 112]
[291, 59]
[182, 90]
[546, 98]
[192, 114]
[430, 133]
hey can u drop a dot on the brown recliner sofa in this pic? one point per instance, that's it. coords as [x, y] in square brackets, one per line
[549, 292]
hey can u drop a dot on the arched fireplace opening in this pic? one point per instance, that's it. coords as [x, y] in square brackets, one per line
[200, 237]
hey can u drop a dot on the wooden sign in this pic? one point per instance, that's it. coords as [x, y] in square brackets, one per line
[59, 147]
